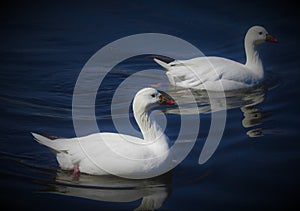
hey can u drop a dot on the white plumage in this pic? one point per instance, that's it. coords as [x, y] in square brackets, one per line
[118, 154]
[208, 72]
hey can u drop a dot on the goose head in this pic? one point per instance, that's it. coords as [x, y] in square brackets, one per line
[149, 98]
[257, 35]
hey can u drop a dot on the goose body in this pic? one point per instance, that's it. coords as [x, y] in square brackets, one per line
[119, 154]
[208, 72]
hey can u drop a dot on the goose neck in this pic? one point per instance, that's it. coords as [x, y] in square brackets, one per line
[150, 129]
[253, 61]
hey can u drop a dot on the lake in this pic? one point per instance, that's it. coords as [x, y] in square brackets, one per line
[45, 46]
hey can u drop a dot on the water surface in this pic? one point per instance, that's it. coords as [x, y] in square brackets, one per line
[43, 49]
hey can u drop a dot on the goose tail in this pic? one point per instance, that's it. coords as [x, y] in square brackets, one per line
[163, 61]
[47, 141]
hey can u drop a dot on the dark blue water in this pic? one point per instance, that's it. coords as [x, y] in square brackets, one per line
[43, 49]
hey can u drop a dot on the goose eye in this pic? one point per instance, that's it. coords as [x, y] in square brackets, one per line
[260, 33]
[153, 95]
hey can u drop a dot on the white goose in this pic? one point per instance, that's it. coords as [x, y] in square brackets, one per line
[119, 154]
[207, 72]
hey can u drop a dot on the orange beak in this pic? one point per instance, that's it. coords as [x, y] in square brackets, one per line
[269, 38]
[165, 99]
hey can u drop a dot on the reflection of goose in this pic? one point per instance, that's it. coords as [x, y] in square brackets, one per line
[215, 101]
[252, 115]
[123, 155]
[208, 72]
[246, 100]
[115, 189]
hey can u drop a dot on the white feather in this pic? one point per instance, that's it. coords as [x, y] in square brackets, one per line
[216, 73]
[113, 153]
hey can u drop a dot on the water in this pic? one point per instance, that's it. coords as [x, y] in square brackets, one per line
[43, 49]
